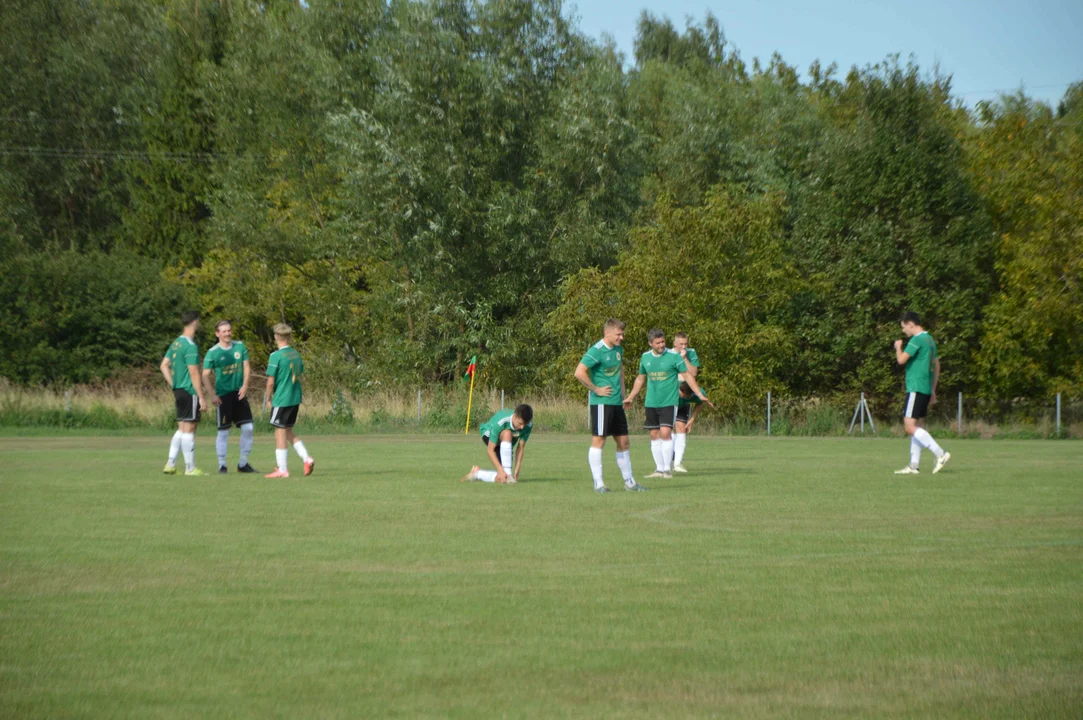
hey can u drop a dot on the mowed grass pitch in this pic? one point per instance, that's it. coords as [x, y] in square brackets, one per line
[779, 577]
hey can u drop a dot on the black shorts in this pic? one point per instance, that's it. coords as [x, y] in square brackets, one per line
[233, 411]
[284, 417]
[683, 413]
[916, 405]
[659, 417]
[606, 420]
[187, 405]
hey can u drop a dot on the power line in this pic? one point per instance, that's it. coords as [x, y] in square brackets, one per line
[93, 154]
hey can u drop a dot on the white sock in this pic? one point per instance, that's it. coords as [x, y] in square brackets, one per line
[300, 448]
[505, 456]
[282, 455]
[488, 476]
[927, 441]
[594, 459]
[220, 444]
[915, 452]
[624, 462]
[188, 448]
[656, 451]
[246, 444]
[174, 448]
[680, 440]
[667, 455]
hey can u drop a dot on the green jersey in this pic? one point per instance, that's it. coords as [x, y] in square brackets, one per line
[604, 363]
[182, 353]
[690, 357]
[663, 387]
[682, 401]
[286, 367]
[502, 421]
[228, 366]
[919, 368]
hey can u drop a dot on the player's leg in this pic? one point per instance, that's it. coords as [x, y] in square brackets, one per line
[242, 418]
[174, 451]
[665, 430]
[911, 409]
[188, 436]
[598, 431]
[299, 447]
[922, 436]
[224, 415]
[489, 476]
[282, 453]
[505, 452]
[182, 402]
[680, 439]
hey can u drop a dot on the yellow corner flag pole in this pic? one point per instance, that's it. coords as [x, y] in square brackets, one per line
[472, 371]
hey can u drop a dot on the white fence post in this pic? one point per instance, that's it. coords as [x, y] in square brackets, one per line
[960, 417]
[1058, 414]
[768, 413]
[419, 406]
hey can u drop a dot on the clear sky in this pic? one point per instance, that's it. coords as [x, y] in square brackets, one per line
[987, 46]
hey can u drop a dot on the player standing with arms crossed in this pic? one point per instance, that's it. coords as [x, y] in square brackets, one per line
[601, 370]
[922, 375]
[228, 360]
[284, 372]
[180, 368]
[658, 369]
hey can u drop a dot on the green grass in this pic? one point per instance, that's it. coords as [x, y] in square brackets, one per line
[787, 576]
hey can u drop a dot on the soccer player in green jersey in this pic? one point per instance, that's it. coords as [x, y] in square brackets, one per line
[505, 430]
[601, 371]
[683, 424]
[228, 361]
[922, 374]
[180, 368]
[688, 406]
[284, 372]
[658, 370]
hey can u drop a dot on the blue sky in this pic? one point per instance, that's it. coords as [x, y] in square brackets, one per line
[987, 47]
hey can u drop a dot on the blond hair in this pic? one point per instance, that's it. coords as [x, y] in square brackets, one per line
[283, 331]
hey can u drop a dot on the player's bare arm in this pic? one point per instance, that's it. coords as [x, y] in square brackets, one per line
[167, 371]
[900, 356]
[193, 372]
[208, 382]
[936, 379]
[582, 374]
[519, 458]
[244, 385]
[636, 387]
[269, 392]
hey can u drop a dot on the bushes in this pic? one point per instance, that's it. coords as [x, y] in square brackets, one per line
[76, 317]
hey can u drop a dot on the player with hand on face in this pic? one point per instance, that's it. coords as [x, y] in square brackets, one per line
[922, 375]
[502, 434]
[658, 369]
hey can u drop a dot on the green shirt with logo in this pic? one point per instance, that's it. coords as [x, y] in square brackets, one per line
[182, 353]
[683, 401]
[919, 368]
[663, 387]
[286, 367]
[502, 421]
[228, 366]
[691, 358]
[604, 363]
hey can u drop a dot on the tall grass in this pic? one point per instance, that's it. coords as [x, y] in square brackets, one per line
[147, 407]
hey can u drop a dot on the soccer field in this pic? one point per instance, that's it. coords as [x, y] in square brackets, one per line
[779, 577]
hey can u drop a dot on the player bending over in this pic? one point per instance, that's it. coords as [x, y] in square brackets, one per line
[180, 368]
[504, 431]
[687, 408]
[658, 369]
[922, 374]
[284, 372]
[228, 361]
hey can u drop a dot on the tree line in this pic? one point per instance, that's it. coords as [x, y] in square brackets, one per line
[412, 183]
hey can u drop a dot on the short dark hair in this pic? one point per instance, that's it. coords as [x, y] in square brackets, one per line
[686, 389]
[682, 335]
[189, 316]
[654, 334]
[910, 317]
[525, 413]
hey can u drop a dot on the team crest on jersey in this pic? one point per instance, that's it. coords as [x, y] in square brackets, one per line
[237, 355]
[618, 357]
